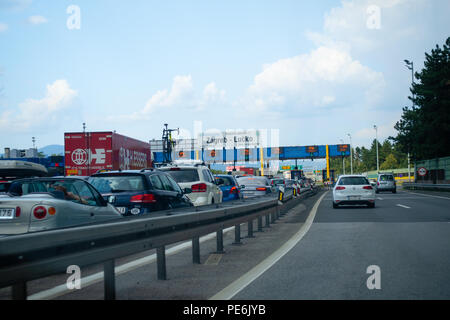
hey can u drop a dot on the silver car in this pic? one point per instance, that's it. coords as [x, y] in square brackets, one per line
[38, 204]
[252, 186]
[386, 182]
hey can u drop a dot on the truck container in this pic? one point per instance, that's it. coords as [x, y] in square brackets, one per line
[88, 152]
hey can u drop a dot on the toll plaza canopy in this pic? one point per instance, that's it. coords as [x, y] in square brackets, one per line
[254, 153]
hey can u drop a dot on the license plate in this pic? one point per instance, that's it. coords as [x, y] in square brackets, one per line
[7, 213]
[354, 198]
[122, 210]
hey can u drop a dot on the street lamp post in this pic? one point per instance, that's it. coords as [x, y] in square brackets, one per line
[343, 163]
[376, 143]
[410, 66]
[351, 154]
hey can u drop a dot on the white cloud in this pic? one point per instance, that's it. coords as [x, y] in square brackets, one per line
[181, 97]
[325, 77]
[180, 93]
[399, 21]
[35, 114]
[37, 20]
[3, 27]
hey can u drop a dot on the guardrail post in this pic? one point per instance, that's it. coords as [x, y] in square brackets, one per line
[109, 279]
[272, 215]
[19, 291]
[260, 226]
[237, 235]
[250, 229]
[219, 239]
[161, 262]
[196, 250]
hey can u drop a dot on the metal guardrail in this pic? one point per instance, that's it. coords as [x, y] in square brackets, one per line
[426, 186]
[37, 255]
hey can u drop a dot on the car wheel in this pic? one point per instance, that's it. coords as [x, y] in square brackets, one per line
[395, 191]
[335, 206]
[376, 191]
[372, 205]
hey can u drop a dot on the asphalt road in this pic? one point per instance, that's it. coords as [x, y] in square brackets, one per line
[406, 236]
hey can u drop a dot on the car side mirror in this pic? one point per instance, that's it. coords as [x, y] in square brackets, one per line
[243, 186]
[187, 190]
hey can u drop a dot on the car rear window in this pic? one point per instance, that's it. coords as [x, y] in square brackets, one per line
[110, 184]
[387, 178]
[252, 181]
[352, 181]
[228, 181]
[278, 181]
[184, 175]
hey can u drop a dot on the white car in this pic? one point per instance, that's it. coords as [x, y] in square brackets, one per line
[199, 179]
[353, 190]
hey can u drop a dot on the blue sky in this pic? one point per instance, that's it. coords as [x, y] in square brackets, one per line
[315, 71]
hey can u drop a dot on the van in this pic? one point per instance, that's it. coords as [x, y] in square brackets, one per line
[386, 182]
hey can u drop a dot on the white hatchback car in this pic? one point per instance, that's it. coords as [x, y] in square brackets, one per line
[353, 190]
[199, 179]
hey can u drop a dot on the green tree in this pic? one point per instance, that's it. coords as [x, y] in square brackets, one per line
[424, 128]
[390, 163]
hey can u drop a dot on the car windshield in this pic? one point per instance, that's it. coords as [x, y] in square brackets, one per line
[227, 181]
[349, 181]
[252, 181]
[184, 175]
[111, 184]
[386, 178]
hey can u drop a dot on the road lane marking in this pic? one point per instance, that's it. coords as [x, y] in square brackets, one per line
[241, 283]
[380, 198]
[403, 206]
[429, 195]
[132, 265]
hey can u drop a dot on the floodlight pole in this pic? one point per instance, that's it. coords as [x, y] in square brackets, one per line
[376, 143]
[351, 154]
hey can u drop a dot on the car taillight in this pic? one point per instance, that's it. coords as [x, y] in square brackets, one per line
[340, 188]
[378, 183]
[234, 190]
[367, 187]
[261, 189]
[18, 210]
[200, 187]
[143, 198]
[40, 212]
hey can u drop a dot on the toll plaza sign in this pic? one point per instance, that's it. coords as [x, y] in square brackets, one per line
[229, 139]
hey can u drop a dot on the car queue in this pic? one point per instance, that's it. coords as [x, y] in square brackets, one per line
[36, 204]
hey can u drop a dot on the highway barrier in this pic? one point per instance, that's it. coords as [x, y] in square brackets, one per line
[32, 256]
[426, 186]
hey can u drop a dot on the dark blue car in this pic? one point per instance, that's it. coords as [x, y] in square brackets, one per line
[135, 192]
[229, 186]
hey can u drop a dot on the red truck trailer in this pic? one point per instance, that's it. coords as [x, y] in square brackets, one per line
[88, 152]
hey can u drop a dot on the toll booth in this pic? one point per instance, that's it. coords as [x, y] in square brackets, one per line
[324, 175]
[296, 174]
